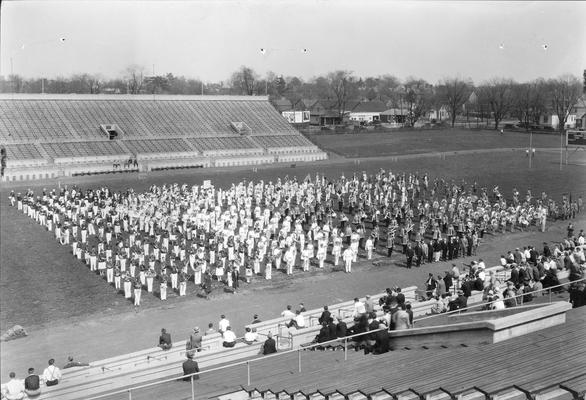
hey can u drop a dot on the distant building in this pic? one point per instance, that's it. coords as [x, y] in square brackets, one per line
[367, 112]
[325, 112]
[439, 115]
[395, 116]
[552, 121]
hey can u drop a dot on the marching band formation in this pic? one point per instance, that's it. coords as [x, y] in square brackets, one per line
[172, 235]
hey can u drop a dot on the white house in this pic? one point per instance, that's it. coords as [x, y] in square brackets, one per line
[553, 121]
[439, 115]
[367, 112]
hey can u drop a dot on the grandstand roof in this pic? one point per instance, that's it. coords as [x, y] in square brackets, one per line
[110, 97]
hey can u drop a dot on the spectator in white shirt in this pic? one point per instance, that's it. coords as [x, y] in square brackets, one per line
[223, 324]
[51, 374]
[14, 389]
[229, 337]
[359, 308]
[288, 313]
[250, 336]
[298, 322]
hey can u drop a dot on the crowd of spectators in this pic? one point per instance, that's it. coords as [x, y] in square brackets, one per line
[174, 235]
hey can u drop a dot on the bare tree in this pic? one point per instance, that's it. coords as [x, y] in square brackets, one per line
[244, 80]
[529, 102]
[343, 87]
[498, 94]
[134, 79]
[418, 99]
[563, 93]
[453, 93]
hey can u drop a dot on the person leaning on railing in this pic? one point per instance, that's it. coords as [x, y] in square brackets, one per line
[190, 366]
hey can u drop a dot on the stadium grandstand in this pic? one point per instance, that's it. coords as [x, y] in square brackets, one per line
[48, 136]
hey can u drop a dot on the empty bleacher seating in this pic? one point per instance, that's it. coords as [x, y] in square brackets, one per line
[146, 146]
[73, 150]
[56, 130]
[226, 145]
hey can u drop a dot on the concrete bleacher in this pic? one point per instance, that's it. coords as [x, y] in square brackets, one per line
[68, 152]
[153, 364]
[216, 146]
[148, 149]
[53, 130]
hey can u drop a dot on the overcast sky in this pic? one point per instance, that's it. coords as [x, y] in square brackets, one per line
[211, 39]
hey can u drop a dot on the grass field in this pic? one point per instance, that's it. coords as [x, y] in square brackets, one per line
[42, 286]
[412, 142]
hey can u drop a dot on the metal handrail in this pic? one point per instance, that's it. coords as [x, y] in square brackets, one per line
[247, 362]
[548, 289]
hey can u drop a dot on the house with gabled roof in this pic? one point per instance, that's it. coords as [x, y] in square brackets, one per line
[325, 112]
[282, 104]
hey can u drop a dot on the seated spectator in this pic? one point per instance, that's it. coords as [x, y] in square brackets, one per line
[497, 301]
[210, 330]
[250, 336]
[382, 340]
[223, 324]
[32, 384]
[14, 389]
[510, 295]
[288, 313]
[400, 297]
[165, 340]
[323, 334]
[229, 337]
[298, 322]
[194, 341]
[438, 307]
[458, 303]
[325, 316]
[341, 328]
[269, 346]
[401, 318]
[51, 374]
[446, 299]
[256, 320]
[190, 366]
[72, 364]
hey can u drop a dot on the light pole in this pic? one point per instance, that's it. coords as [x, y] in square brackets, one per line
[23, 47]
[530, 148]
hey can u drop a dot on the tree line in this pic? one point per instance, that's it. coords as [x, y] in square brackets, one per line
[496, 99]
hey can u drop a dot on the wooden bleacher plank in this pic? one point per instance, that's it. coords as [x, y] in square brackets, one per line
[576, 386]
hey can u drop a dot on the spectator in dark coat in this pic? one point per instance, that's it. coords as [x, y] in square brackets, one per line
[325, 316]
[341, 328]
[269, 346]
[383, 340]
[32, 384]
[448, 281]
[165, 340]
[190, 366]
